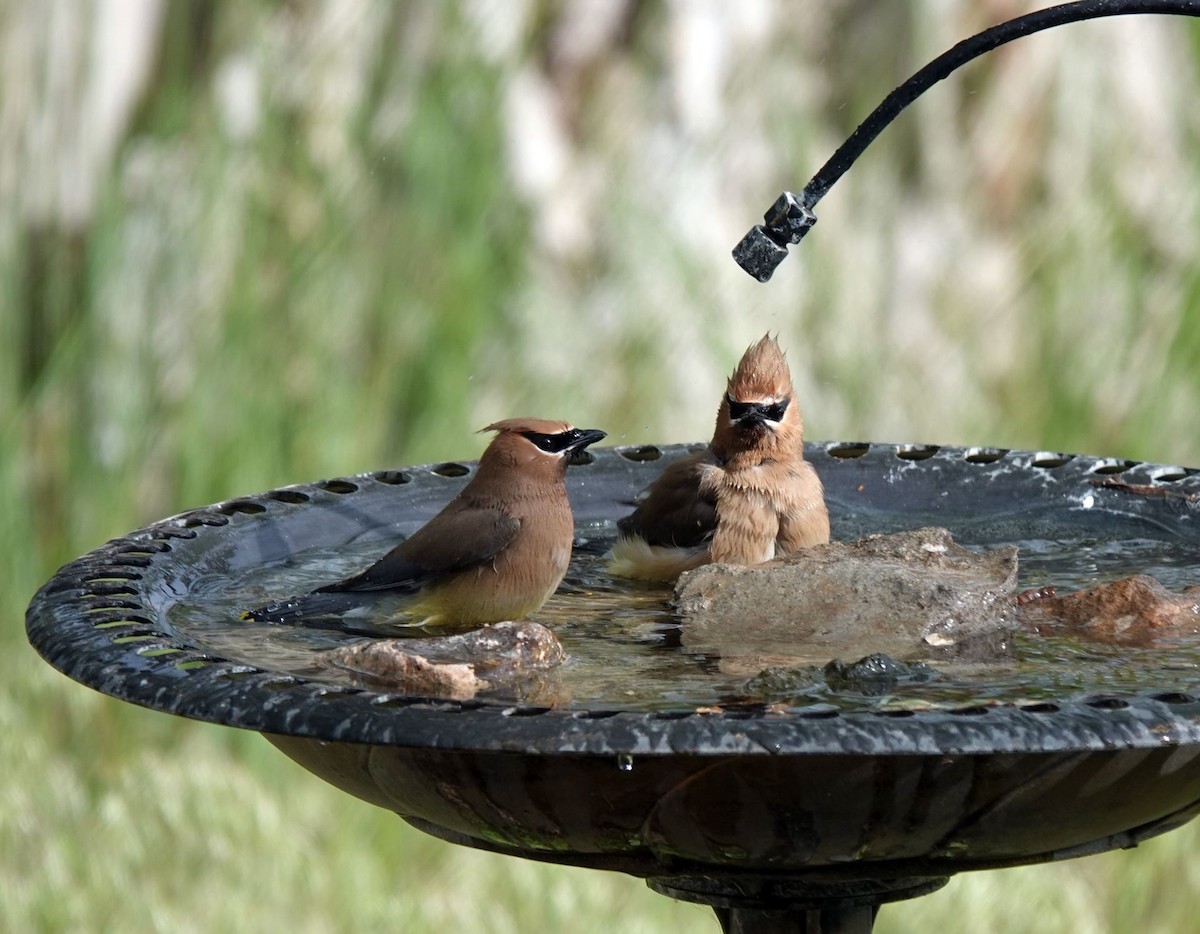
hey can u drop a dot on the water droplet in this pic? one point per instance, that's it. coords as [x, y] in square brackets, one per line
[625, 763]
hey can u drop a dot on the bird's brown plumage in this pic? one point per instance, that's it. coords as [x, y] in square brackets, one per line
[749, 496]
[498, 550]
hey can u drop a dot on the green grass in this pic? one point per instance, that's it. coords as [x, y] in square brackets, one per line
[362, 281]
[139, 822]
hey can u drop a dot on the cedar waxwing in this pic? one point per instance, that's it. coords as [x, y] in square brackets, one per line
[497, 551]
[749, 496]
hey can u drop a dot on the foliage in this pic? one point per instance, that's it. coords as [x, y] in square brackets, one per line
[333, 238]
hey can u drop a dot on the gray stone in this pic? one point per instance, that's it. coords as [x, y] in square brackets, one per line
[912, 595]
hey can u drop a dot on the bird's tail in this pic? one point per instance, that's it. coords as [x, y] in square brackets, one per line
[346, 612]
[633, 557]
[312, 610]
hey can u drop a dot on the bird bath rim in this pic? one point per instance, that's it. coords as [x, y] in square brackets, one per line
[95, 620]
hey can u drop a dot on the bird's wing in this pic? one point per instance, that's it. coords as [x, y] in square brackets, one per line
[451, 541]
[674, 511]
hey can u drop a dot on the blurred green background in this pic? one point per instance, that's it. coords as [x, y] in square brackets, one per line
[250, 244]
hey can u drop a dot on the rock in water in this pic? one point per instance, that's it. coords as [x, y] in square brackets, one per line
[912, 595]
[1135, 610]
[388, 664]
[458, 667]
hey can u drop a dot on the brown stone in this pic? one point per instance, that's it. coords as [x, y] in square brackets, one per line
[457, 666]
[1132, 611]
[390, 664]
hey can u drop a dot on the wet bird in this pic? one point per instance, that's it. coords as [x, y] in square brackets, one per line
[748, 497]
[497, 551]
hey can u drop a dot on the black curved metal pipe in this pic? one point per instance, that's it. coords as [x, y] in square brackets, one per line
[791, 216]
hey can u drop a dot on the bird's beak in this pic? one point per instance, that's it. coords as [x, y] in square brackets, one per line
[748, 414]
[582, 437]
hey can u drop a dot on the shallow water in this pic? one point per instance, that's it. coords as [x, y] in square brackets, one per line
[623, 642]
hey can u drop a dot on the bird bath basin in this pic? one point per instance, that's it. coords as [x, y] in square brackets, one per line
[830, 803]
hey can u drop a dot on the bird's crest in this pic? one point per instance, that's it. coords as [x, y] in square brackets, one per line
[761, 374]
[541, 426]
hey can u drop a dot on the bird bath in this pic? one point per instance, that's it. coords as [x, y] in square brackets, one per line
[769, 812]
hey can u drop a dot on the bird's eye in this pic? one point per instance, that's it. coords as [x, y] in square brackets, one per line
[571, 441]
[775, 412]
[555, 443]
[551, 444]
[739, 410]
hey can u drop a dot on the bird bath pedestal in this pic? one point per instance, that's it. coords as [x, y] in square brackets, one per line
[782, 818]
